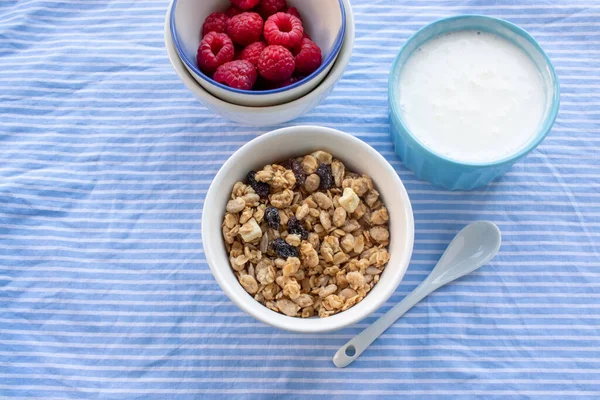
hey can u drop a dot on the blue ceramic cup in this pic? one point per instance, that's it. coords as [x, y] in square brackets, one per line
[441, 170]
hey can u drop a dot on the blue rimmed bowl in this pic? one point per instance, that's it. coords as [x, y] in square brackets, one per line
[441, 170]
[324, 21]
[265, 116]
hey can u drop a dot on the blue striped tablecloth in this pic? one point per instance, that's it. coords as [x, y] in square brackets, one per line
[105, 160]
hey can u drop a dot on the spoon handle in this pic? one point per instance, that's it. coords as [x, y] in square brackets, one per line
[355, 347]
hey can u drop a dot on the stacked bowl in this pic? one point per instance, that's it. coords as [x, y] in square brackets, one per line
[328, 23]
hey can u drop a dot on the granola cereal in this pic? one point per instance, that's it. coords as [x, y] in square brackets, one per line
[307, 237]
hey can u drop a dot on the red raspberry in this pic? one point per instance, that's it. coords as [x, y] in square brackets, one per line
[232, 11]
[240, 74]
[215, 22]
[287, 82]
[284, 29]
[293, 11]
[308, 57]
[215, 49]
[266, 8]
[245, 28]
[252, 52]
[276, 63]
[245, 4]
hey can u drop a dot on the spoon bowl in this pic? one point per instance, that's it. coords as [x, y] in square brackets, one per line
[472, 247]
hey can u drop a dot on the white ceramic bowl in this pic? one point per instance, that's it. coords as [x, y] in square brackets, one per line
[324, 21]
[286, 143]
[266, 116]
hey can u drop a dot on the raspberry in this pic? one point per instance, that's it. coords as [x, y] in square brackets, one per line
[266, 8]
[252, 52]
[293, 11]
[215, 50]
[291, 81]
[245, 28]
[232, 11]
[245, 4]
[276, 63]
[308, 57]
[215, 22]
[240, 74]
[268, 85]
[284, 29]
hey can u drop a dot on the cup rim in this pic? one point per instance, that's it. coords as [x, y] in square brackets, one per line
[263, 314]
[324, 65]
[545, 127]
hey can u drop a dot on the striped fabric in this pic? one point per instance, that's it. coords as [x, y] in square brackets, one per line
[105, 160]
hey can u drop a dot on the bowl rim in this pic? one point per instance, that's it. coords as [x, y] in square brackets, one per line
[281, 321]
[336, 72]
[339, 40]
[545, 127]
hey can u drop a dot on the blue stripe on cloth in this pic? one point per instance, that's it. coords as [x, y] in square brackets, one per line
[106, 158]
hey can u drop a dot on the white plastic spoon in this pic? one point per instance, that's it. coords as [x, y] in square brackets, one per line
[473, 246]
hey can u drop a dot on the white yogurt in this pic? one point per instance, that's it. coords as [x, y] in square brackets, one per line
[472, 96]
